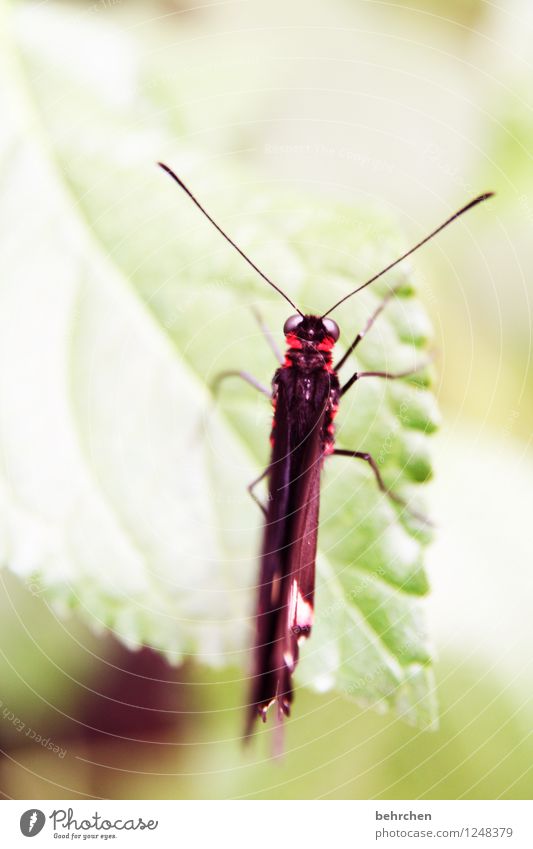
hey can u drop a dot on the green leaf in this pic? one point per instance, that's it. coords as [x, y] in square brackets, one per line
[124, 490]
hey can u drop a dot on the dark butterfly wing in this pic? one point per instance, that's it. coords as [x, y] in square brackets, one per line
[269, 600]
[287, 573]
[304, 504]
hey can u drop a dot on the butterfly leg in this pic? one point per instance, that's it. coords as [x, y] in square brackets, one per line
[361, 335]
[251, 486]
[215, 386]
[244, 375]
[252, 381]
[364, 455]
[385, 374]
[268, 335]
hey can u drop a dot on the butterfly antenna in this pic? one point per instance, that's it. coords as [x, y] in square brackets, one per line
[412, 250]
[228, 239]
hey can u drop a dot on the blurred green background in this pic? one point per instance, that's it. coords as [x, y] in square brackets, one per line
[418, 106]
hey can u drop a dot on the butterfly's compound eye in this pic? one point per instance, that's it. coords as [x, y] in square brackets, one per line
[292, 323]
[331, 327]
